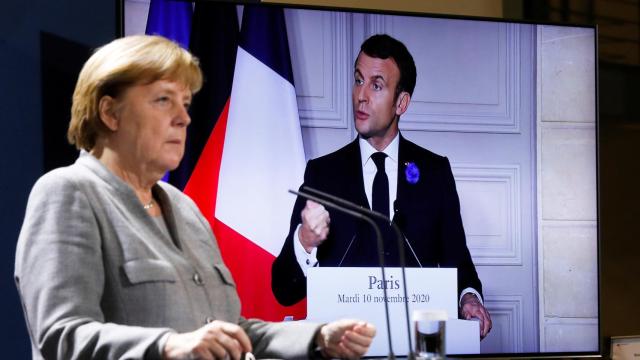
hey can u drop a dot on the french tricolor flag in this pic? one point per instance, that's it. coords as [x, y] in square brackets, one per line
[252, 157]
[262, 158]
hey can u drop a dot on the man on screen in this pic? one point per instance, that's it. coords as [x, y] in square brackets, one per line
[383, 171]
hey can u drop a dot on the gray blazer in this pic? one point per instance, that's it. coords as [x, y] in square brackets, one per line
[98, 278]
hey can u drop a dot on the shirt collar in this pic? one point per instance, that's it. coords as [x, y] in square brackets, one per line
[366, 150]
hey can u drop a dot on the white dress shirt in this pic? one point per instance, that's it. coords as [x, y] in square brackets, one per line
[369, 169]
[390, 168]
[307, 260]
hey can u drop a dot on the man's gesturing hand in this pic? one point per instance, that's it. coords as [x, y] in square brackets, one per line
[315, 225]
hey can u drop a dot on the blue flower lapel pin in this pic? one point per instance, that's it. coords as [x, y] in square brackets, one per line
[411, 172]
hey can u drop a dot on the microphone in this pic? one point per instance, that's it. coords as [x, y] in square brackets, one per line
[380, 250]
[399, 237]
[398, 217]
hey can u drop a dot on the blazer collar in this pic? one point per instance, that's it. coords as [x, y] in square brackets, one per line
[128, 195]
[356, 187]
[366, 150]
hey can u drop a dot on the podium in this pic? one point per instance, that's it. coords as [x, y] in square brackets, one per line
[357, 292]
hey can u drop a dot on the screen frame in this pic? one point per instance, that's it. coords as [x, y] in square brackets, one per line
[120, 26]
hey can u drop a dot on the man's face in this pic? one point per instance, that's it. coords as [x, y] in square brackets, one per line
[375, 107]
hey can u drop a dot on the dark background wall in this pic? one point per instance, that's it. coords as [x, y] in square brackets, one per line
[35, 35]
[43, 44]
[619, 199]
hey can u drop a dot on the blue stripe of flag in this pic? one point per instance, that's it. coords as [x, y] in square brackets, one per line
[171, 19]
[264, 35]
[214, 40]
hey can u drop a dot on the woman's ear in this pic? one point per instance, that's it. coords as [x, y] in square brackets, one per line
[402, 103]
[108, 114]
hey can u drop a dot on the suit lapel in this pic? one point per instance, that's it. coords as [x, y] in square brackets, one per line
[402, 188]
[353, 170]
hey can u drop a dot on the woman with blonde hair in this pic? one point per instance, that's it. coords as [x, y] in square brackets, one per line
[113, 263]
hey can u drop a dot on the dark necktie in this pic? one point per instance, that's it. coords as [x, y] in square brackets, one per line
[380, 193]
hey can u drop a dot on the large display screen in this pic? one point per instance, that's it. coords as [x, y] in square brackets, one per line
[513, 106]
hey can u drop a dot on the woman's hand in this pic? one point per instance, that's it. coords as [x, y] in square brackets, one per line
[345, 339]
[216, 340]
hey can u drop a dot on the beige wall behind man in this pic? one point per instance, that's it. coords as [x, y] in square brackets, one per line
[618, 133]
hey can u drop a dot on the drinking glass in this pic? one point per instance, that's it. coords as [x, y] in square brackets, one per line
[429, 334]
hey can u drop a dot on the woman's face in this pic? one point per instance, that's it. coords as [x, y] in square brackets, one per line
[151, 125]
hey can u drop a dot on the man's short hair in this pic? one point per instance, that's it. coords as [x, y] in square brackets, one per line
[383, 46]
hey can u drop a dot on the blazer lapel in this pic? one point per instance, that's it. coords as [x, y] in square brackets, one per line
[353, 169]
[403, 185]
[169, 216]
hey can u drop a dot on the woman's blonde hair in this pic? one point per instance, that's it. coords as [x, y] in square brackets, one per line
[125, 62]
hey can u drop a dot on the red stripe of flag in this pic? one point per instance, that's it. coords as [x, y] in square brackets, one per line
[202, 186]
[254, 284]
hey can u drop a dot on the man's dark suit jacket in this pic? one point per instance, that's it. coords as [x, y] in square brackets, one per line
[427, 212]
